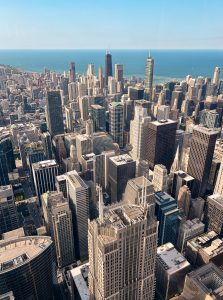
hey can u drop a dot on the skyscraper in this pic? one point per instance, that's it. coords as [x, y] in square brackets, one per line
[122, 249]
[44, 176]
[98, 117]
[139, 133]
[100, 77]
[118, 72]
[149, 76]
[54, 113]
[27, 267]
[216, 76]
[79, 204]
[7, 148]
[4, 177]
[161, 140]
[116, 122]
[200, 158]
[160, 178]
[72, 72]
[214, 213]
[121, 169]
[58, 220]
[108, 67]
[8, 212]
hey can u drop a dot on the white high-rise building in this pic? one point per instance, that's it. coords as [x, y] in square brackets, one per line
[139, 133]
[116, 122]
[58, 220]
[160, 178]
[149, 76]
[216, 76]
[122, 248]
[72, 91]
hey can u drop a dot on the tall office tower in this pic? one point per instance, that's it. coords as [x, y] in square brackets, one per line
[90, 70]
[79, 204]
[136, 93]
[69, 118]
[214, 213]
[184, 200]
[200, 158]
[83, 105]
[72, 91]
[161, 140]
[7, 148]
[108, 67]
[44, 176]
[47, 145]
[187, 231]
[116, 122]
[111, 85]
[204, 283]
[177, 99]
[118, 73]
[171, 269]
[8, 212]
[163, 113]
[139, 133]
[149, 76]
[4, 177]
[180, 179]
[72, 72]
[58, 221]
[219, 183]
[121, 169]
[27, 267]
[169, 218]
[82, 89]
[74, 164]
[100, 77]
[98, 117]
[54, 113]
[160, 178]
[216, 76]
[122, 249]
[84, 145]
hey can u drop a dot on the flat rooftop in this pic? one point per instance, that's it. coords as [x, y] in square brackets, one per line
[44, 164]
[192, 224]
[163, 122]
[206, 130]
[202, 240]
[80, 278]
[75, 179]
[16, 252]
[121, 159]
[16, 233]
[171, 259]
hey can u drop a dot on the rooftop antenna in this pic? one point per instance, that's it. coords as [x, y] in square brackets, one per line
[101, 206]
[149, 53]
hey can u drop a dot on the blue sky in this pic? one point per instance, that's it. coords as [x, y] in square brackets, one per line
[114, 24]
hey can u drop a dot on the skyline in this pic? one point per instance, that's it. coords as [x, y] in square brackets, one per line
[86, 25]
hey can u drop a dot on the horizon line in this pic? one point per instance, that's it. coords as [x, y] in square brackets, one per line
[104, 49]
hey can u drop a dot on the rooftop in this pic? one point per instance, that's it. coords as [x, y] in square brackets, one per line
[80, 278]
[217, 198]
[192, 224]
[163, 122]
[203, 240]
[121, 159]
[209, 131]
[44, 164]
[171, 259]
[210, 279]
[16, 252]
[16, 233]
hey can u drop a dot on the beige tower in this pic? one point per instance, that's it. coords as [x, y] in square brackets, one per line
[139, 133]
[122, 247]
[184, 199]
[58, 220]
[160, 178]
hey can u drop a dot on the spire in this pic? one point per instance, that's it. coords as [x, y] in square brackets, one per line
[101, 206]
